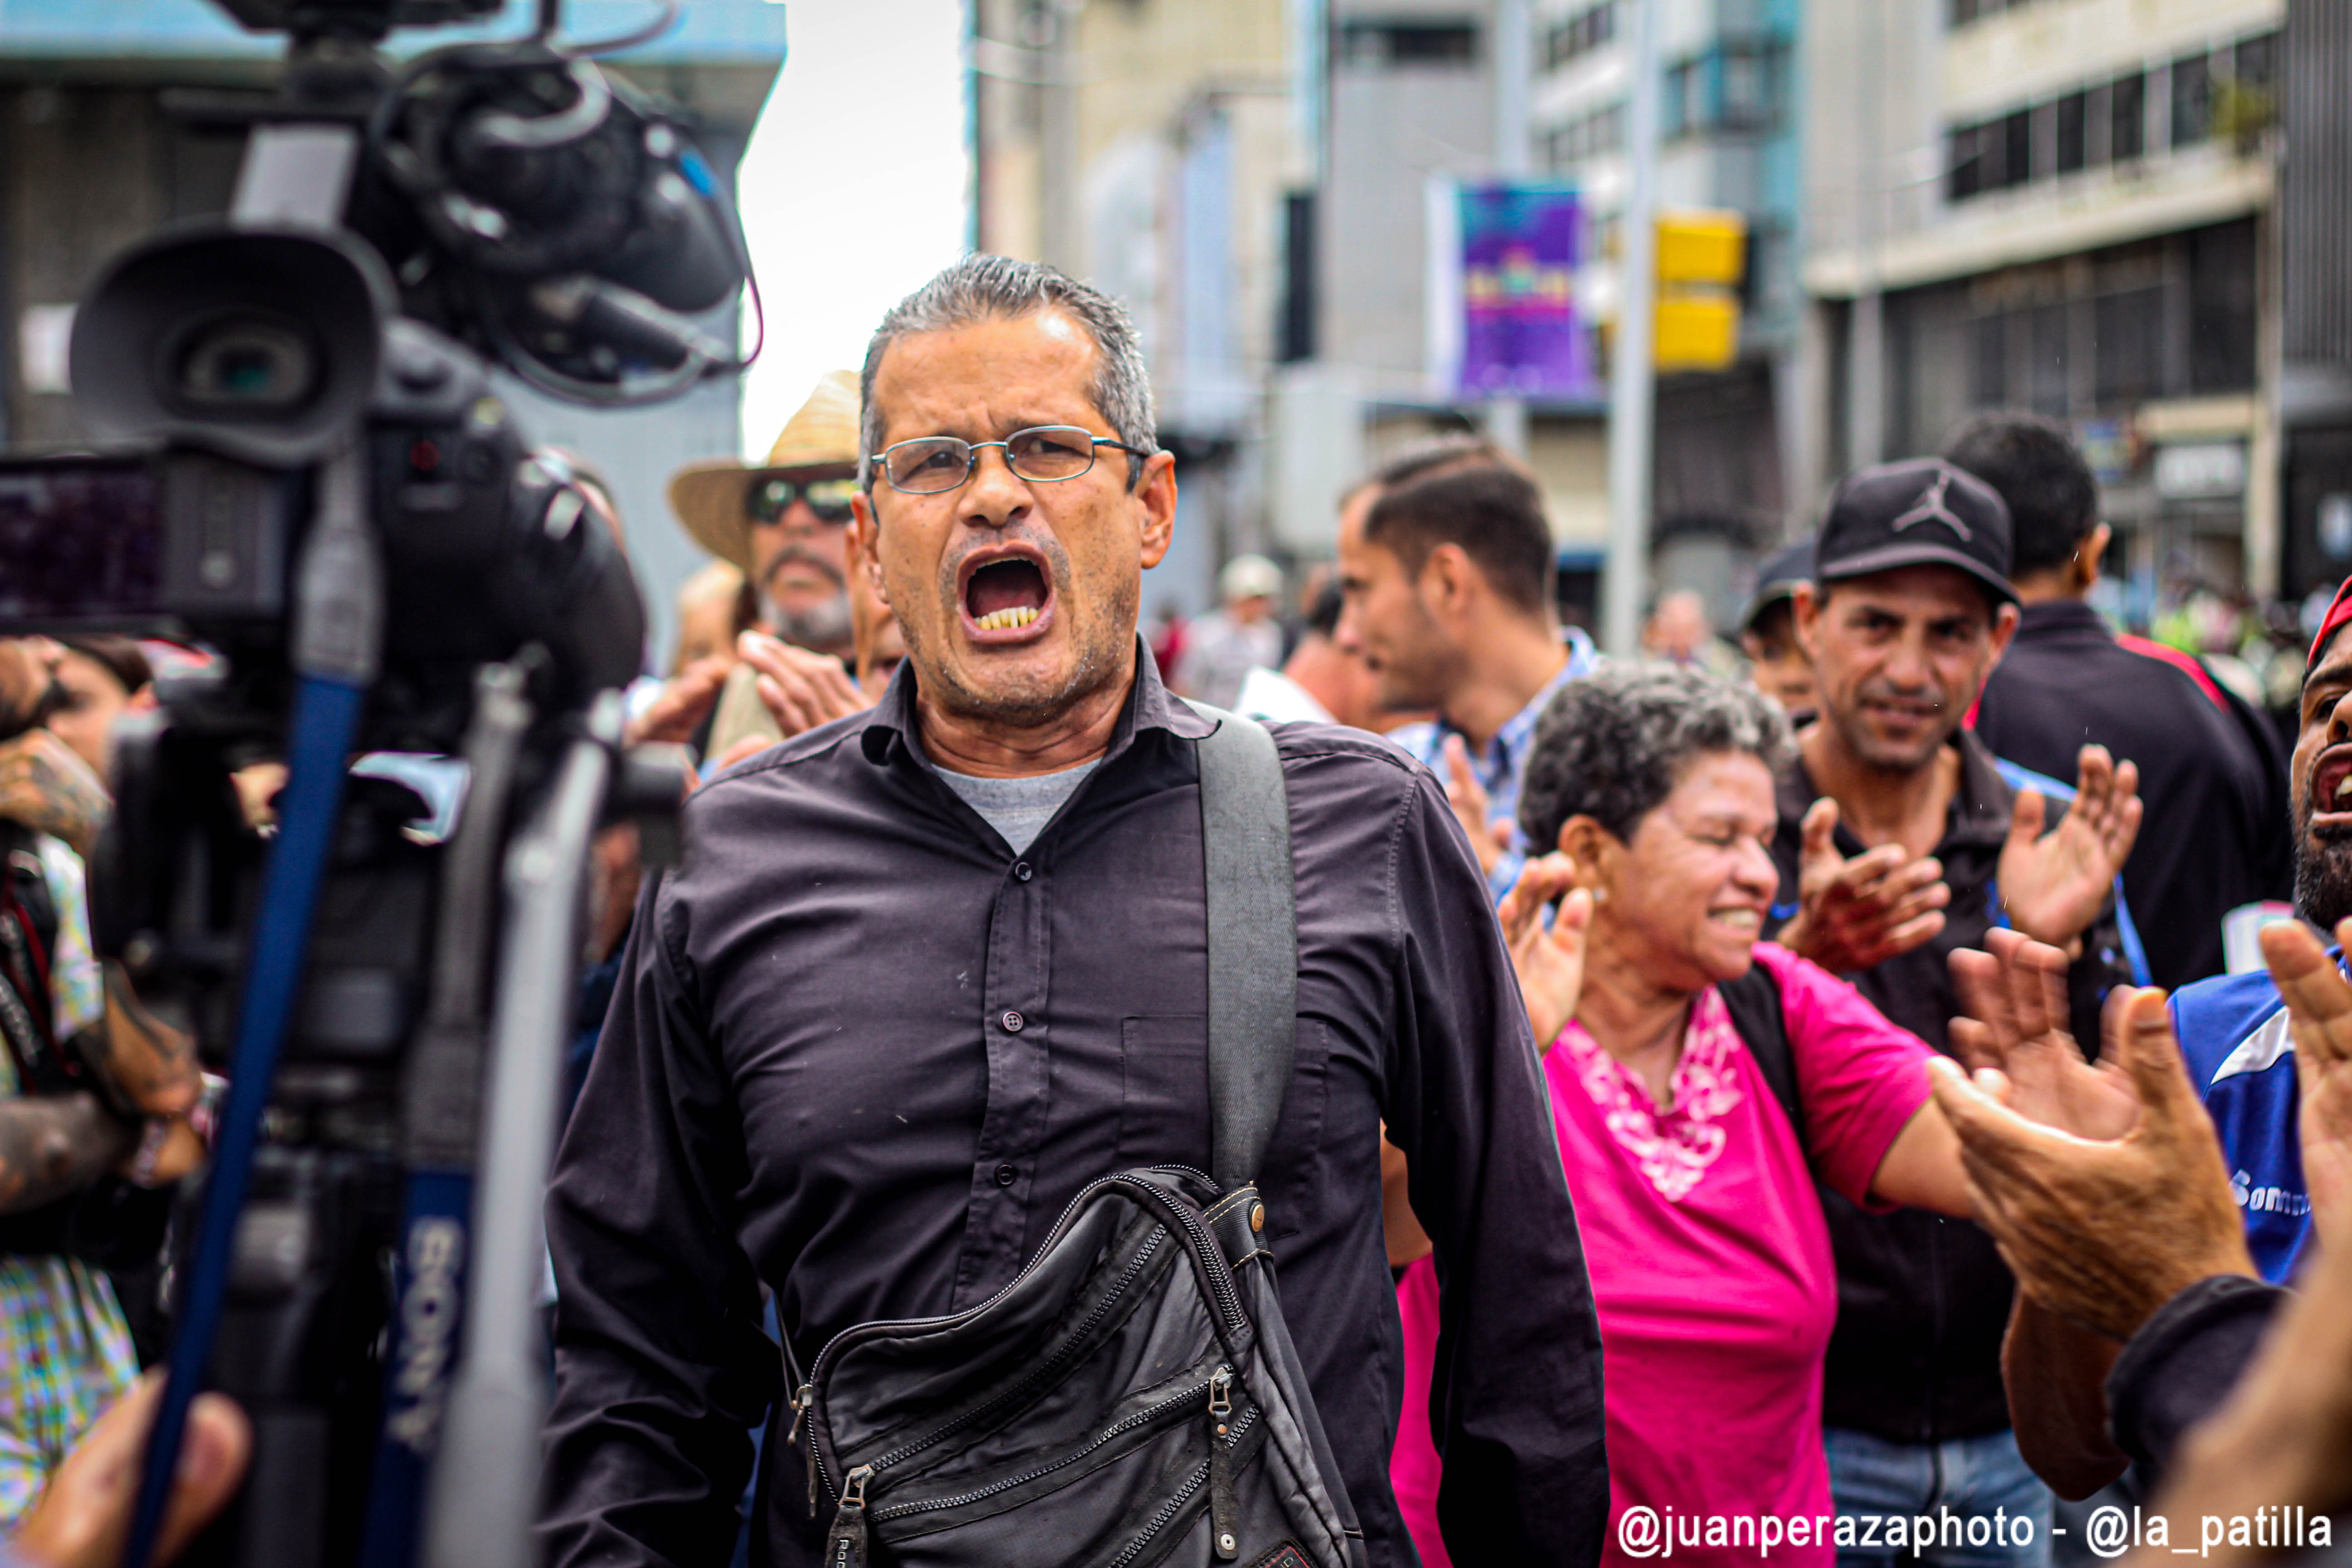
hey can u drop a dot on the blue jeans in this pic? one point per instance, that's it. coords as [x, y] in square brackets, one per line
[1979, 1505]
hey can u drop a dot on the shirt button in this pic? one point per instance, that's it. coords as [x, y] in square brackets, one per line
[1021, 871]
[1006, 1176]
[1013, 1023]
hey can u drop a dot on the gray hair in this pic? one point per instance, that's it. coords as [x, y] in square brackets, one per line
[997, 288]
[1612, 745]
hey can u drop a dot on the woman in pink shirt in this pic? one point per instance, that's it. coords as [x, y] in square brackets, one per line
[1692, 1168]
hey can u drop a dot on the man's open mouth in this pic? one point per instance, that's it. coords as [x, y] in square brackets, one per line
[2331, 783]
[1008, 596]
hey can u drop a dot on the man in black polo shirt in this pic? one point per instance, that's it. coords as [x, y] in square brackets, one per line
[1899, 841]
[928, 969]
[2210, 770]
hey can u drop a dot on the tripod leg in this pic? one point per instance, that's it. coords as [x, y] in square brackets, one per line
[485, 1477]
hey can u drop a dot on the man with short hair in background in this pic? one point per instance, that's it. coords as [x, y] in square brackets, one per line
[1899, 840]
[1446, 562]
[1222, 647]
[2208, 766]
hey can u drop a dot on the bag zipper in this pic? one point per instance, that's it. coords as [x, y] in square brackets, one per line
[1144, 1417]
[1202, 1476]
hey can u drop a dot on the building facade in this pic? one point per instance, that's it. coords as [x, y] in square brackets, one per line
[1730, 100]
[2068, 206]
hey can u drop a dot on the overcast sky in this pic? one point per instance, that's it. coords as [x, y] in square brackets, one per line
[870, 103]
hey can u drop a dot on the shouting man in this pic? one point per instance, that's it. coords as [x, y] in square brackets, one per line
[928, 969]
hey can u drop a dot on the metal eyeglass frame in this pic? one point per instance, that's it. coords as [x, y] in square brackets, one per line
[972, 449]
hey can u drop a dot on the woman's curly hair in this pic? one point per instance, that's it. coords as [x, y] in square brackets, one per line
[1612, 745]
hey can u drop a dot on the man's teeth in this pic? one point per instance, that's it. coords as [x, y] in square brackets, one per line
[1006, 619]
[2344, 789]
[1745, 918]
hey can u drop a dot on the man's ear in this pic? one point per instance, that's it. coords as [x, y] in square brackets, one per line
[1449, 581]
[865, 542]
[2004, 627]
[2086, 558]
[1156, 494]
[1805, 616]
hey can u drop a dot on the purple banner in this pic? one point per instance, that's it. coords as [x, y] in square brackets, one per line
[1520, 334]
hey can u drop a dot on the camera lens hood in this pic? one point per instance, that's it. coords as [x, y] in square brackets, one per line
[260, 344]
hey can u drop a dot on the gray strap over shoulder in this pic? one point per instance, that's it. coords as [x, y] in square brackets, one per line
[1252, 942]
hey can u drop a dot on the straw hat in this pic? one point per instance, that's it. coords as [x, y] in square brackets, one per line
[818, 442]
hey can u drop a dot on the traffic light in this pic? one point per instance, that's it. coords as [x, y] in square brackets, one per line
[1702, 257]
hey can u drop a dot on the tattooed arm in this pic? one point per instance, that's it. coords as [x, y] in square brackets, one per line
[55, 1146]
[147, 1067]
[44, 786]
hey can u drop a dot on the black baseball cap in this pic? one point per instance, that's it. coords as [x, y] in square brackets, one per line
[1777, 580]
[1919, 512]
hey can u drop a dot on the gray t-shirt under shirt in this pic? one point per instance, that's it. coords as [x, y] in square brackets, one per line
[1018, 808]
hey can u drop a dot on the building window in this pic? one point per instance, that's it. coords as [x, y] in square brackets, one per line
[1579, 33]
[2192, 99]
[1594, 135]
[2073, 144]
[2128, 116]
[1389, 43]
[1751, 99]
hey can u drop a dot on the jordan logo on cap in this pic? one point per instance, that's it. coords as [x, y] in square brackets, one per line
[1930, 508]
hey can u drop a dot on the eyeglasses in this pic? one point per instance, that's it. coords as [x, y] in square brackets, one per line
[769, 500]
[930, 464]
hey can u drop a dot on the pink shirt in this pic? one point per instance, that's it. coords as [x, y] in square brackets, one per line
[1710, 1261]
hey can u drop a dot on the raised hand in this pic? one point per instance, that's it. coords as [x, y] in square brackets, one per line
[2016, 1026]
[1550, 964]
[2319, 1009]
[1488, 837]
[2055, 884]
[684, 702]
[2103, 1231]
[799, 690]
[1853, 914]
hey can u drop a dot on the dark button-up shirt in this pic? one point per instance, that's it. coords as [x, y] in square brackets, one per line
[1923, 1299]
[2210, 772]
[863, 1053]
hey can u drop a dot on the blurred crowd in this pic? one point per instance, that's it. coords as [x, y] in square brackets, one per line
[1930, 996]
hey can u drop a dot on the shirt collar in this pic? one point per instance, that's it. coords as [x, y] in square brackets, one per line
[1149, 705]
[1520, 727]
[1979, 808]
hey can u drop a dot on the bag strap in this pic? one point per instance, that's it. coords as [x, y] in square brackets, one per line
[1253, 940]
[1754, 1003]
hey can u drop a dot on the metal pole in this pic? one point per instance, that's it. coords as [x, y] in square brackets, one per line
[1057, 195]
[1866, 348]
[1513, 55]
[1631, 385]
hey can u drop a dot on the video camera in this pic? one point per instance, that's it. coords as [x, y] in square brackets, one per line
[309, 470]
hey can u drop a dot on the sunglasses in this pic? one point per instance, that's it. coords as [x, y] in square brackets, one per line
[767, 500]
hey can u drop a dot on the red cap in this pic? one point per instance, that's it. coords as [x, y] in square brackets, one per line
[2339, 614]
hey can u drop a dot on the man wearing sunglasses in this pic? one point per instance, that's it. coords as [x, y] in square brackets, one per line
[925, 972]
[785, 525]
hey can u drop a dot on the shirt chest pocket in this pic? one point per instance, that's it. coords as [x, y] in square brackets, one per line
[1164, 1107]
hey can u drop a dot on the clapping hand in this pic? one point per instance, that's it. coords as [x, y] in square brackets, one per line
[2102, 1231]
[2016, 1029]
[1548, 963]
[2319, 1009]
[1856, 914]
[2055, 884]
[1488, 837]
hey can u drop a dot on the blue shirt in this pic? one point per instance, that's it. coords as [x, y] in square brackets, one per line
[2241, 1052]
[1499, 767]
